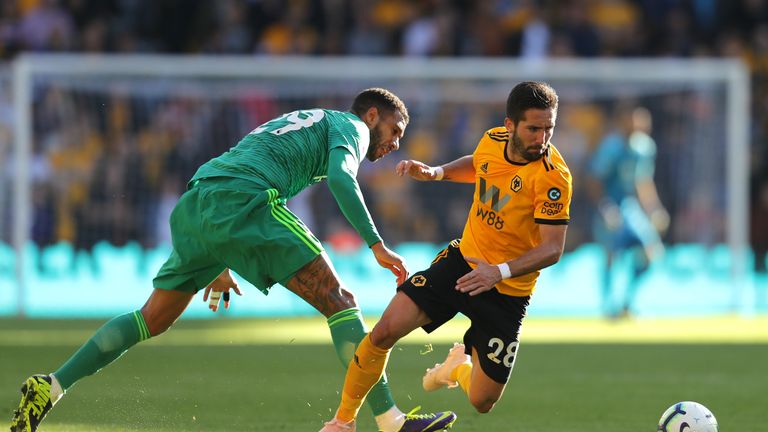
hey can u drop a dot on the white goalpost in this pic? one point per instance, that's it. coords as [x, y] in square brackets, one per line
[129, 99]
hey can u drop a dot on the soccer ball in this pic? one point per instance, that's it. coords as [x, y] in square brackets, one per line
[687, 417]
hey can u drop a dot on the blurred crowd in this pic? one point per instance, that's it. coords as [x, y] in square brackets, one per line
[527, 28]
[119, 170]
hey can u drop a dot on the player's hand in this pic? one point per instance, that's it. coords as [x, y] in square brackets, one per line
[481, 279]
[390, 260]
[220, 288]
[418, 170]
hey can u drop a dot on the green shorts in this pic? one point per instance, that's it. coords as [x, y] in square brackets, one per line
[238, 224]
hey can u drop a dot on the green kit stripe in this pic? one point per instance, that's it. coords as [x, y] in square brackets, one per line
[143, 330]
[295, 229]
[298, 223]
[341, 320]
[345, 315]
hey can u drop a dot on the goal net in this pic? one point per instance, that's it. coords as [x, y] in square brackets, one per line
[104, 146]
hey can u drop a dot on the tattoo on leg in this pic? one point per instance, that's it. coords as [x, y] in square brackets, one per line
[319, 286]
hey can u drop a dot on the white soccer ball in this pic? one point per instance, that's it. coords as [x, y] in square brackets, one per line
[687, 417]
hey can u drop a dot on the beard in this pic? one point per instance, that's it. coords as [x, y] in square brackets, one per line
[519, 148]
[374, 144]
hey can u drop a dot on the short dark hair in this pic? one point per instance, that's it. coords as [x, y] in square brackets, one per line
[527, 95]
[382, 99]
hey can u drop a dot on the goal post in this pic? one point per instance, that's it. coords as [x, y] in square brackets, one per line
[428, 85]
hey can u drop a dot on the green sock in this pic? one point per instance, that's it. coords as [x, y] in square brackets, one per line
[347, 330]
[108, 343]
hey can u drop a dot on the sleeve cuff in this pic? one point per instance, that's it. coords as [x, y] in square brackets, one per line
[372, 240]
[552, 221]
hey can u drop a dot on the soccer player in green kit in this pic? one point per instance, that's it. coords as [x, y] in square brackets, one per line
[233, 216]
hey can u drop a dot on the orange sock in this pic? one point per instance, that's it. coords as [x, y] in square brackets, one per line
[363, 372]
[463, 374]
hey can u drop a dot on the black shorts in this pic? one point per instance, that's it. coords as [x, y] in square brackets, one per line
[496, 318]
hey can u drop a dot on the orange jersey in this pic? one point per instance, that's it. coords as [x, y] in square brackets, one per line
[511, 199]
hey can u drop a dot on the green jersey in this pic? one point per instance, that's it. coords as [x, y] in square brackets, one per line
[297, 149]
[291, 152]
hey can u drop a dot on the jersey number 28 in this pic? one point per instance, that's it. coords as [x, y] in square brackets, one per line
[498, 346]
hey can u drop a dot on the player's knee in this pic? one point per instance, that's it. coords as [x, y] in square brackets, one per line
[483, 404]
[383, 334]
[484, 407]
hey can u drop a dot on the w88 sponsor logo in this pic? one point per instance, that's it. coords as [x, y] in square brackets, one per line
[491, 218]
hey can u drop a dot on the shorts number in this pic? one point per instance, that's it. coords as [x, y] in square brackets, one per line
[296, 120]
[497, 345]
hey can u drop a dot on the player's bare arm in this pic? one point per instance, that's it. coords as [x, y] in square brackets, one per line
[343, 185]
[486, 275]
[460, 170]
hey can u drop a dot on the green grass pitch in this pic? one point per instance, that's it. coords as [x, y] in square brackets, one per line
[282, 375]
